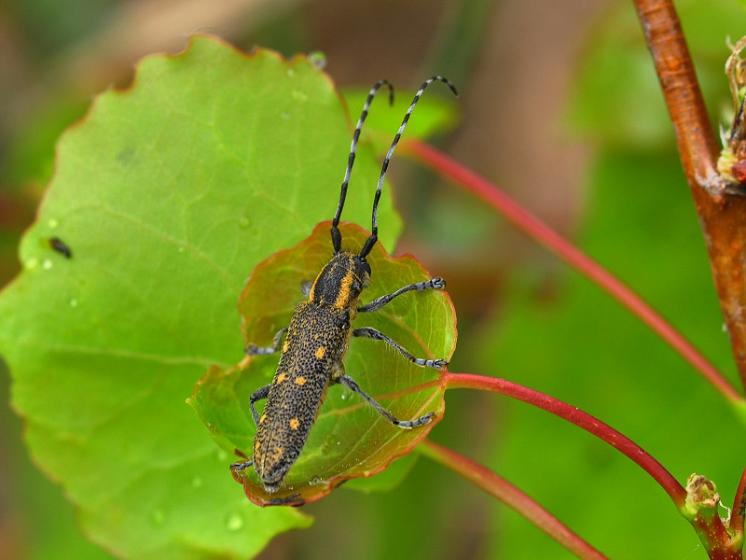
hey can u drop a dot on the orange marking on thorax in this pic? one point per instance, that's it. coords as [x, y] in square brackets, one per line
[343, 297]
[282, 377]
[312, 291]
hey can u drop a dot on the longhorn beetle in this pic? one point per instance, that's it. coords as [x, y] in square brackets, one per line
[316, 339]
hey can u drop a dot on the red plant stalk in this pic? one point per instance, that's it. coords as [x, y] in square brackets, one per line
[579, 418]
[721, 216]
[735, 525]
[549, 238]
[511, 496]
[698, 503]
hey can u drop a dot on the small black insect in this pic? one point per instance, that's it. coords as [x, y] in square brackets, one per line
[61, 247]
[316, 339]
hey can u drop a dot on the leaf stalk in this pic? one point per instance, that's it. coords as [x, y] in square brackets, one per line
[535, 228]
[512, 496]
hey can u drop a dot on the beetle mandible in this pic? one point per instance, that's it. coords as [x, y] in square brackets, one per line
[313, 345]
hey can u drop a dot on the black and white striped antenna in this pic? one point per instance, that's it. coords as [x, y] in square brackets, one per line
[371, 241]
[336, 235]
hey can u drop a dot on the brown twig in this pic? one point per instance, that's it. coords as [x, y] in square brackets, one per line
[737, 513]
[721, 215]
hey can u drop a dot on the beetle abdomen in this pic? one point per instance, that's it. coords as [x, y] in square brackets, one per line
[316, 340]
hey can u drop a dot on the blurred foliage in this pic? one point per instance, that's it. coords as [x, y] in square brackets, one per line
[30, 157]
[617, 100]
[581, 346]
[56, 24]
[459, 41]
[566, 337]
[48, 524]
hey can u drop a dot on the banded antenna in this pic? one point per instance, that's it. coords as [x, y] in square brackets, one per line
[374, 220]
[336, 235]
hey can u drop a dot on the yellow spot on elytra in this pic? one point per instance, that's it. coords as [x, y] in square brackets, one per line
[285, 346]
[294, 423]
[262, 418]
[282, 377]
[343, 297]
[320, 352]
[300, 380]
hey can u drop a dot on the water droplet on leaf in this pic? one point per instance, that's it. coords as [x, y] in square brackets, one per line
[158, 516]
[52, 223]
[197, 482]
[299, 95]
[31, 263]
[318, 59]
[73, 302]
[47, 264]
[234, 522]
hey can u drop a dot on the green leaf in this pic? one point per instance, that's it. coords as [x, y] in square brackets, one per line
[169, 194]
[349, 439]
[435, 115]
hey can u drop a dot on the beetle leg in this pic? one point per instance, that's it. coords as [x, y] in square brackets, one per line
[258, 395]
[254, 350]
[291, 500]
[370, 332]
[238, 467]
[376, 304]
[405, 424]
[338, 370]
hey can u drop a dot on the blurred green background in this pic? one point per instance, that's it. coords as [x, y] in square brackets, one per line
[560, 105]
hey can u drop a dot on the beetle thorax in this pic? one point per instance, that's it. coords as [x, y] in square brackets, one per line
[340, 281]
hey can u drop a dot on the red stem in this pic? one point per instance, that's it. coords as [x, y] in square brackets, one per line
[513, 497]
[737, 515]
[579, 418]
[546, 236]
